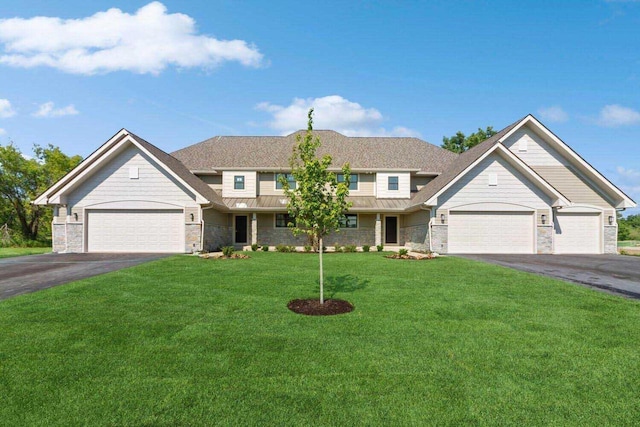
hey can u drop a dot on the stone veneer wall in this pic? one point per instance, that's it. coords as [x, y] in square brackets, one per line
[280, 236]
[283, 236]
[191, 237]
[415, 237]
[545, 239]
[440, 238]
[610, 239]
[75, 237]
[216, 236]
[352, 236]
[59, 237]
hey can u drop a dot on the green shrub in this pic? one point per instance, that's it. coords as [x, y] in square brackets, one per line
[350, 248]
[365, 248]
[380, 248]
[254, 247]
[403, 252]
[265, 248]
[307, 248]
[227, 250]
[292, 249]
[337, 248]
[284, 248]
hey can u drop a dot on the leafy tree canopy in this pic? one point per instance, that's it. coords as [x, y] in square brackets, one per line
[22, 179]
[459, 143]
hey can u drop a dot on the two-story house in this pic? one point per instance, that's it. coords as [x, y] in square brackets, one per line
[521, 191]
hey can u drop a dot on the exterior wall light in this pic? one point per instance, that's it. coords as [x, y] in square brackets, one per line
[75, 216]
[442, 218]
[610, 220]
[543, 217]
[192, 217]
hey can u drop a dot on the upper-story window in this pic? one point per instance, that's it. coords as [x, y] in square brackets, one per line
[290, 179]
[353, 180]
[238, 182]
[392, 183]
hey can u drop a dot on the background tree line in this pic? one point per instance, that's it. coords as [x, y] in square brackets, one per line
[22, 179]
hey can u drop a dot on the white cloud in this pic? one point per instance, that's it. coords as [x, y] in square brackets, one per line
[147, 41]
[48, 110]
[6, 110]
[331, 112]
[617, 115]
[553, 114]
[2, 132]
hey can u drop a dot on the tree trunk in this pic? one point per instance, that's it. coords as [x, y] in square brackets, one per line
[321, 275]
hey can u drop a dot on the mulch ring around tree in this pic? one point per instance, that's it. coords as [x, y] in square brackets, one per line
[312, 307]
[412, 256]
[220, 255]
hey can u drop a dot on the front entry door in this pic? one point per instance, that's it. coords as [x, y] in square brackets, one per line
[391, 229]
[241, 229]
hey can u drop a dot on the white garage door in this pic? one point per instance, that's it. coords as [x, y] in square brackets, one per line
[135, 231]
[491, 232]
[577, 233]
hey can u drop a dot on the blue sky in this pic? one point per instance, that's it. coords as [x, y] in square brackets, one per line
[178, 72]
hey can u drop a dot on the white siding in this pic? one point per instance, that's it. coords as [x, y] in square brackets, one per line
[538, 152]
[404, 185]
[250, 178]
[111, 182]
[512, 188]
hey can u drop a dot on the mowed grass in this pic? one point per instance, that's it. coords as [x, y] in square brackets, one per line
[187, 341]
[11, 252]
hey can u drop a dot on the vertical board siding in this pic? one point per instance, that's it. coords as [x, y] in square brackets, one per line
[512, 187]
[404, 185]
[111, 182]
[250, 187]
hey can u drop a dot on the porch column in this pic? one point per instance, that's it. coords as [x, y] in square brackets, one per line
[378, 230]
[254, 229]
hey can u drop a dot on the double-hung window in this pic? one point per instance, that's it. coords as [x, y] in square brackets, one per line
[393, 183]
[353, 180]
[238, 182]
[290, 179]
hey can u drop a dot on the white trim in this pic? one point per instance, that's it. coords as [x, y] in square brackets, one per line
[573, 156]
[58, 196]
[509, 156]
[43, 198]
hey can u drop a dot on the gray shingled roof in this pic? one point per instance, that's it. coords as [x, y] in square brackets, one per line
[179, 169]
[456, 167]
[270, 152]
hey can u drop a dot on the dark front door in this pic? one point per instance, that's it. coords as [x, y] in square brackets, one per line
[241, 229]
[391, 229]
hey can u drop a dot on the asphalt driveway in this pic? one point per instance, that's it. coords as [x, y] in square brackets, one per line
[616, 274]
[20, 275]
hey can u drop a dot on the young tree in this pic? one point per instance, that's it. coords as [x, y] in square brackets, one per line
[459, 143]
[23, 179]
[318, 201]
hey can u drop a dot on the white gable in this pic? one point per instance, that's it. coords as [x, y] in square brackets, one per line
[477, 186]
[113, 181]
[532, 149]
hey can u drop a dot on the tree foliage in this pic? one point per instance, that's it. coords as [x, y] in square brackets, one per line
[627, 225]
[22, 179]
[318, 201]
[459, 143]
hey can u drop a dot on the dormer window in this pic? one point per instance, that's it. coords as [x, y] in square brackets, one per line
[238, 182]
[392, 183]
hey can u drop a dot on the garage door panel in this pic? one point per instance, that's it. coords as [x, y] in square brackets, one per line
[491, 232]
[577, 233]
[135, 230]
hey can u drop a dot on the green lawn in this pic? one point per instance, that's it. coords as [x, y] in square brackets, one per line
[186, 341]
[11, 252]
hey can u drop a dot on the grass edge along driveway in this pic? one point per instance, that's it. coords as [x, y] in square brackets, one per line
[186, 341]
[13, 252]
